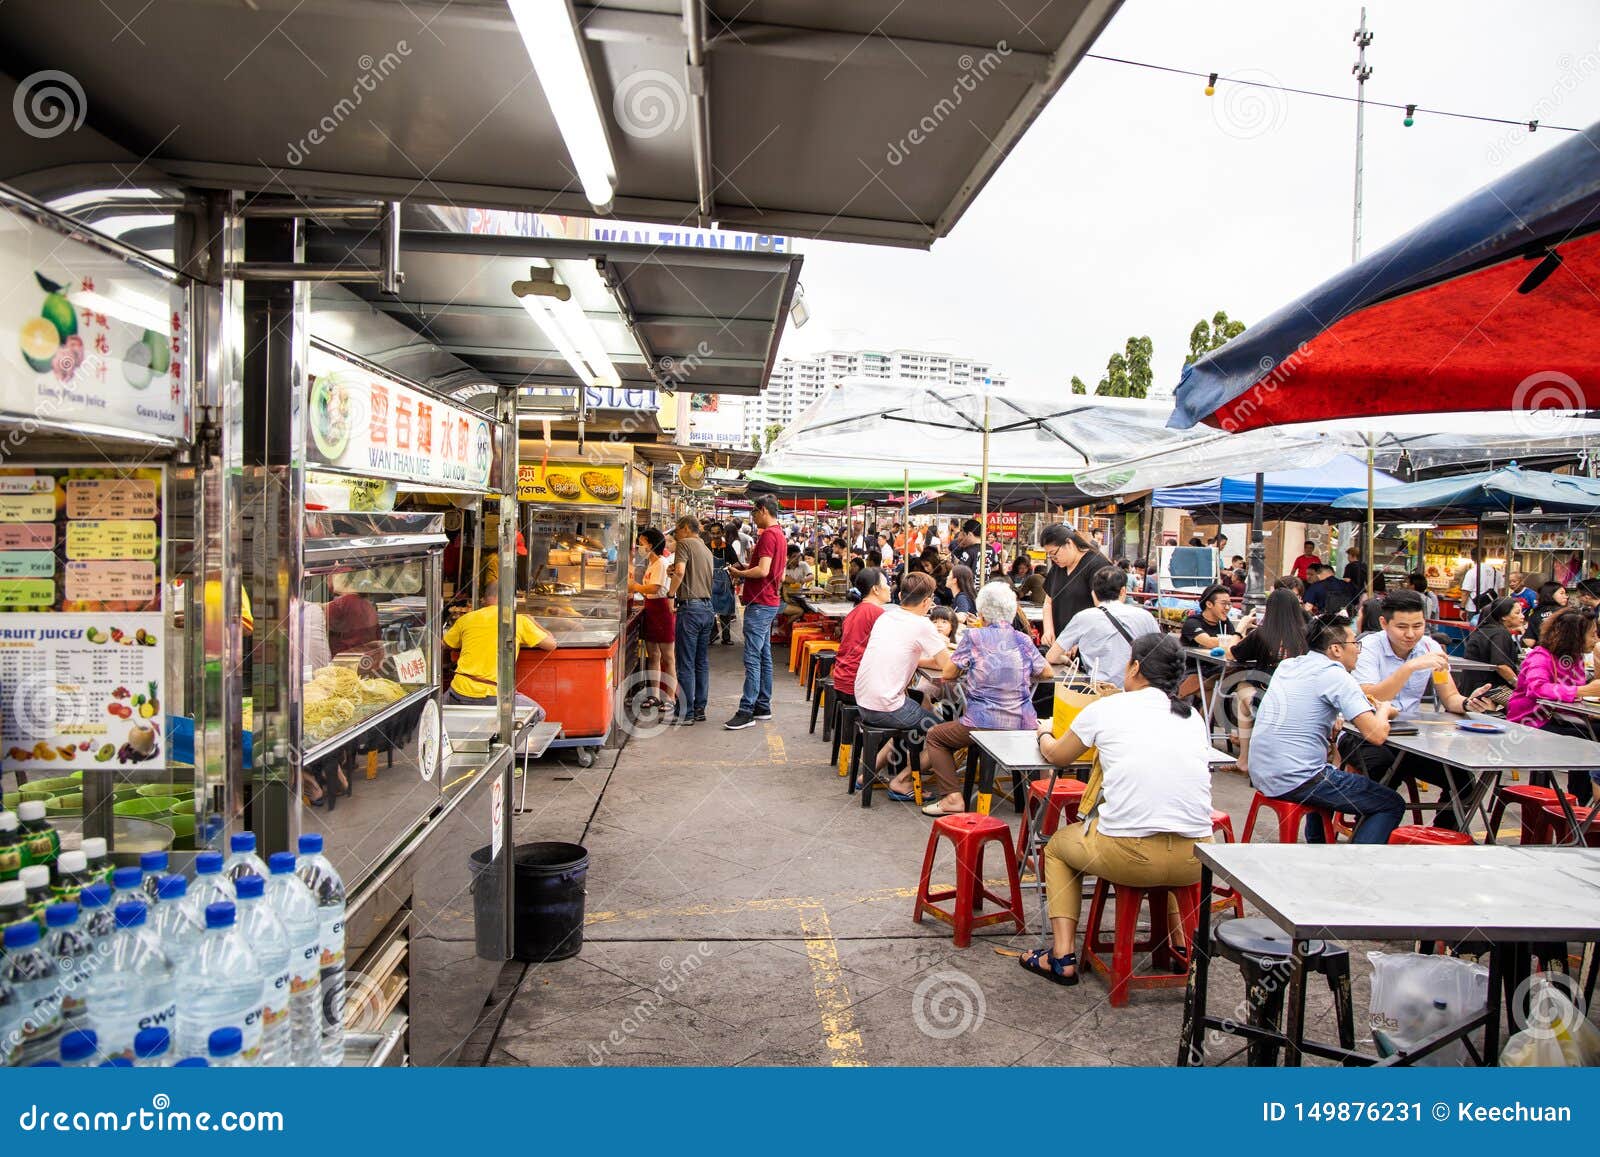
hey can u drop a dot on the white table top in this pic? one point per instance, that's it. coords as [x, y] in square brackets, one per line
[1019, 750]
[1519, 746]
[1587, 707]
[1204, 655]
[833, 608]
[1459, 664]
[1383, 892]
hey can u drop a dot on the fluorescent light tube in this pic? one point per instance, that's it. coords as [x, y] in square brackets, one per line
[539, 310]
[555, 46]
[578, 327]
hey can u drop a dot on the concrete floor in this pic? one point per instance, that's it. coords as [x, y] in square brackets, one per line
[744, 910]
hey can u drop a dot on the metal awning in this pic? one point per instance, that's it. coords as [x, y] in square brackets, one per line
[854, 120]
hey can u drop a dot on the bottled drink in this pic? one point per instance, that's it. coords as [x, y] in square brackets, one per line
[72, 950]
[152, 1048]
[94, 850]
[13, 903]
[172, 922]
[269, 940]
[132, 986]
[243, 860]
[328, 889]
[32, 976]
[79, 1049]
[11, 847]
[220, 986]
[127, 887]
[226, 1048]
[95, 915]
[10, 1027]
[208, 887]
[154, 866]
[35, 880]
[116, 1063]
[192, 1063]
[41, 844]
[72, 877]
[296, 907]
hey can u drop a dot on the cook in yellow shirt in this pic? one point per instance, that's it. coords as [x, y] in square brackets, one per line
[475, 635]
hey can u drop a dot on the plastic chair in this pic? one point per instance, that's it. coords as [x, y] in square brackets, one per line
[969, 833]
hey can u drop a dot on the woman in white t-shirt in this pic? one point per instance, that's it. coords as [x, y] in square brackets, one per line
[1154, 805]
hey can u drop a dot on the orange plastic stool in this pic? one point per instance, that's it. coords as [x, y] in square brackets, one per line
[1062, 809]
[809, 651]
[1558, 824]
[969, 832]
[1222, 896]
[797, 640]
[1124, 942]
[1291, 818]
[1532, 801]
[1435, 837]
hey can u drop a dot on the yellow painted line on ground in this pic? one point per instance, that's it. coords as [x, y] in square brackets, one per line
[839, 1029]
[775, 749]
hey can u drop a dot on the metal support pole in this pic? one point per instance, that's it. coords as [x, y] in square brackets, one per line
[1371, 516]
[1362, 72]
[1256, 594]
[983, 516]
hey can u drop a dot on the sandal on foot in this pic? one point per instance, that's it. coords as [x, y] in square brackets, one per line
[1053, 967]
[901, 796]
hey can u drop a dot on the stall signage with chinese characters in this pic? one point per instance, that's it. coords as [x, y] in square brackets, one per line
[88, 338]
[1551, 536]
[372, 425]
[579, 483]
[82, 641]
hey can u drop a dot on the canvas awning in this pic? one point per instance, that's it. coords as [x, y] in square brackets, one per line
[1508, 490]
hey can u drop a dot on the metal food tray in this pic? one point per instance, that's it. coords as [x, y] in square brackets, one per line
[477, 729]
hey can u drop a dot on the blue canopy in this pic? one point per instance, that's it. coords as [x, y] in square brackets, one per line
[1286, 491]
[1525, 491]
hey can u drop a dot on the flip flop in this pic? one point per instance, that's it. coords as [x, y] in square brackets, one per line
[1052, 967]
[900, 796]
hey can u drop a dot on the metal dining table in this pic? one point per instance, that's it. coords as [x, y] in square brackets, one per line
[1510, 897]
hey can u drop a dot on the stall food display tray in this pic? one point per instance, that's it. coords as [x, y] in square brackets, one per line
[477, 729]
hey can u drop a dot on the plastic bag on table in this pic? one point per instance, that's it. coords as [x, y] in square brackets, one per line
[1415, 997]
[1558, 1034]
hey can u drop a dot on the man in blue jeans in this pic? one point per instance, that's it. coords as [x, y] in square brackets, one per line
[763, 579]
[690, 585]
[1293, 724]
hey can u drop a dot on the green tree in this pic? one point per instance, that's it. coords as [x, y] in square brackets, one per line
[1128, 373]
[1077, 385]
[772, 432]
[1213, 335]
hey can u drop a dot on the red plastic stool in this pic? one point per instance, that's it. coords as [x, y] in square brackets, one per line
[1558, 824]
[1223, 896]
[1532, 801]
[1291, 818]
[1124, 942]
[1063, 808]
[969, 832]
[1416, 834]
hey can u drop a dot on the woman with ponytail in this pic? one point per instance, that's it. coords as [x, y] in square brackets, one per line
[1155, 801]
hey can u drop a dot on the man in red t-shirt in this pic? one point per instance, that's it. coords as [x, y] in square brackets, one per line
[857, 630]
[763, 578]
[1303, 564]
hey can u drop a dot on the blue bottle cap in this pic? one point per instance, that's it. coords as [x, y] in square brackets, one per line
[218, 915]
[94, 896]
[225, 1042]
[281, 863]
[22, 935]
[250, 887]
[45, 1065]
[243, 842]
[311, 845]
[78, 1045]
[131, 915]
[207, 863]
[61, 915]
[151, 1042]
[172, 887]
[192, 1063]
[117, 1063]
[153, 862]
[126, 879]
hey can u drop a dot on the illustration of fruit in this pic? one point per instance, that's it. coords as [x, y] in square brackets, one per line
[116, 634]
[136, 369]
[67, 359]
[95, 635]
[120, 710]
[106, 752]
[140, 635]
[160, 351]
[146, 710]
[84, 746]
[67, 752]
[40, 340]
[57, 310]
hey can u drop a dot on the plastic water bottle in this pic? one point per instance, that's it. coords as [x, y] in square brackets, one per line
[72, 877]
[208, 887]
[132, 986]
[243, 861]
[72, 950]
[226, 1048]
[152, 1048]
[172, 922]
[95, 915]
[220, 986]
[80, 1049]
[296, 907]
[127, 887]
[328, 889]
[192, 1063]
[10, 1027]
[269, 940]
[32, 975]
[154, 865]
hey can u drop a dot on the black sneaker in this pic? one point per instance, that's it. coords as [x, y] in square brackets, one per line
[761, 716]
[699, 716]
[740, 721]
[681, 720]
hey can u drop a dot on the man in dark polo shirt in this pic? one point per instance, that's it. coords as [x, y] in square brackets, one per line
[690, 585]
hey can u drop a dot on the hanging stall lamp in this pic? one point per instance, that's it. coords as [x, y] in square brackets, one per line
[1211, 85]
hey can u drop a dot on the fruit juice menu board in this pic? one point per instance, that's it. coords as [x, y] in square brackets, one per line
[82, 654]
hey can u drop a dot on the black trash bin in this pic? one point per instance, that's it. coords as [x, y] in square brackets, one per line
[547, 922]
[488, 906]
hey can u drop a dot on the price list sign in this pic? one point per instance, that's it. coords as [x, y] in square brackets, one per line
[82, 646]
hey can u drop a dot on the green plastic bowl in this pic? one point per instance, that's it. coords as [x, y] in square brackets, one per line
[63, 785]
[64, 805]
[152, 806]
[26, 795]
[170, 790]
[182, 831]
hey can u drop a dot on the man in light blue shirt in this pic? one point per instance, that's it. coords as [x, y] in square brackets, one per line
[1293, 722]
[1102, 635]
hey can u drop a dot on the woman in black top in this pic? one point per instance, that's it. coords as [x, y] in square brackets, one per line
[1552, 598]
[1495, 641]
[1281, 635]
[1073, 562]
[963, 591]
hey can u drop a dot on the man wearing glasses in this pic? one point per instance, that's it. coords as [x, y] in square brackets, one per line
[1294, 723]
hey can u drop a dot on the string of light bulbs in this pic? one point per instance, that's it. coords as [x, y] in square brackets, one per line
[1213, 79]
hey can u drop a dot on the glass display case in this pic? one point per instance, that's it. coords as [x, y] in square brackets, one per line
[574, 584]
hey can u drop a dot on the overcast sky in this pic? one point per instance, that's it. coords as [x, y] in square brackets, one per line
[1136, 205]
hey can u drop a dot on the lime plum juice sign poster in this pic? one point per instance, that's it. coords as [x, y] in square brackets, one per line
[82, 630]
[86, 338]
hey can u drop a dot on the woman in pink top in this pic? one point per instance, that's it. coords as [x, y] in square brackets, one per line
[1554, 670]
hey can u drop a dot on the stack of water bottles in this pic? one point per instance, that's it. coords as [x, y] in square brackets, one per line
[241, 965]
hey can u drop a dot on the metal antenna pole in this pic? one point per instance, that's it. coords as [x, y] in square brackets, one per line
[1362, 71]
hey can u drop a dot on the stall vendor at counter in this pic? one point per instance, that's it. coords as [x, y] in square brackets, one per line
[476, 635]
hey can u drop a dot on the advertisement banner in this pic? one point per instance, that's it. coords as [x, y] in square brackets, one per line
[577, 483]
[1550, 536]
[1003, 524]
[374, 426]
